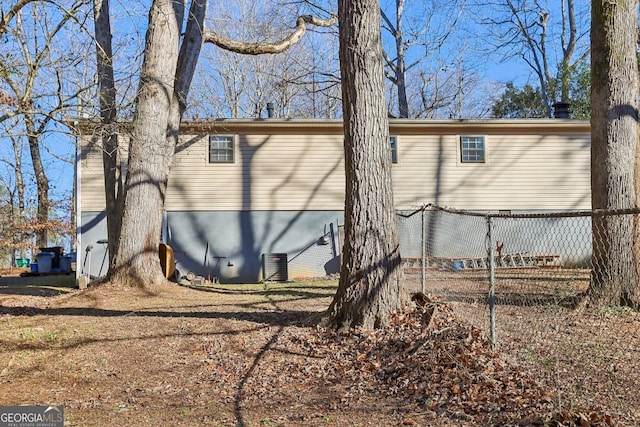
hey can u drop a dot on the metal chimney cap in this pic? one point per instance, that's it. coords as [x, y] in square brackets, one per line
[561, 110]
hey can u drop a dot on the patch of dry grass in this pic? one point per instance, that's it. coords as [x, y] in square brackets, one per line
[250, 355]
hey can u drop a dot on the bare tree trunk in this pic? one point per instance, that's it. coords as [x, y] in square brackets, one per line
[21, 238]
[399, 67]
[137, 261]
[569, 39]
[42, 183]
[35, 61]
[614, 151]
[188, 58]
[111, 155]
[371, 279]
[161, 101]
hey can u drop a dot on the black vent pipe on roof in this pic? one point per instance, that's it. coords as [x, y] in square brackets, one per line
[270, 110]
[561, 110]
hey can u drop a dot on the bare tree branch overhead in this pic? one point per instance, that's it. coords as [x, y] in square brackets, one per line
[260, 48]
[5, 18]
[549, 40]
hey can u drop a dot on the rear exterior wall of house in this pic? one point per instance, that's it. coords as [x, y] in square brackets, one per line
[243, 188]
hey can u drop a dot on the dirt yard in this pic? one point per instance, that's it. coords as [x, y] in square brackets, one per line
[251, 355]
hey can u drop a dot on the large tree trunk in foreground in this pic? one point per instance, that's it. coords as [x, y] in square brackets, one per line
[614, 151]
[137, 261]
[161, 102]
[371, 278]
[184, 70]
[111, 154]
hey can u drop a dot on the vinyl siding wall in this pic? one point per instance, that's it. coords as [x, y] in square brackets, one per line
[298, 165]
[520, 172]
[90, 176]
[285, 190]
[276, 172]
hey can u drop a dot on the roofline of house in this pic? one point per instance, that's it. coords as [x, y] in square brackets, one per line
[401, 126]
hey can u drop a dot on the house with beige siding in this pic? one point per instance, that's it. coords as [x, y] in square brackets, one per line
[249, 198]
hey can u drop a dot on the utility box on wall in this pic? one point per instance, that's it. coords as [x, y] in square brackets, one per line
[274, 268]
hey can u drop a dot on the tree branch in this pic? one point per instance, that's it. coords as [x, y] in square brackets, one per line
[5, 18]
[260, 48]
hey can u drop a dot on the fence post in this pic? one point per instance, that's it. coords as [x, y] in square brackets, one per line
[492, 283]
[423, 277]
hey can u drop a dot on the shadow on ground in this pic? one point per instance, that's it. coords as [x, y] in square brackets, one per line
[41, 286]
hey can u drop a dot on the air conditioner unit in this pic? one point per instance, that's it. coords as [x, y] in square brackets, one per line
[275, 268]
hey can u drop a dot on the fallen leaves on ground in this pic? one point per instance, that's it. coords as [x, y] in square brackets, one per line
[228, 357]
[445, 369]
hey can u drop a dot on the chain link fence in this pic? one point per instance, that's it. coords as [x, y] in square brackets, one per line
[534, 283]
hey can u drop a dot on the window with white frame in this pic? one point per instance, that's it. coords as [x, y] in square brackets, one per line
[472, 149]
[221, 149]
[393, 143]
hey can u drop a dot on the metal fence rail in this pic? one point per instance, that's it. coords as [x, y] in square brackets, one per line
[525, 279]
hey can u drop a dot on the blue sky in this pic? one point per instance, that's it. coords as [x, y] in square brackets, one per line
[62, 145]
